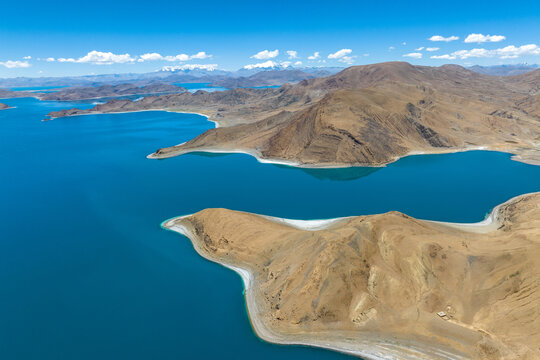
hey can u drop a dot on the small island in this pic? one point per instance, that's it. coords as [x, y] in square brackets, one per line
[10, 94]
[388, 285]
[4, 106]
[97, 92]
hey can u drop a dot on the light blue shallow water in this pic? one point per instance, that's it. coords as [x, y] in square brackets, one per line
[87, 273]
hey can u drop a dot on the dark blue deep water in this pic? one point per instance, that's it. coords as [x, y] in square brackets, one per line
[86, 272]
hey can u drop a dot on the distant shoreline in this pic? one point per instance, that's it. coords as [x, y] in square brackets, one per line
[134, 111]
[110, 96]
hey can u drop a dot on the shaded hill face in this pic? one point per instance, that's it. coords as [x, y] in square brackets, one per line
[96, 92]
[366, 115]
[387, 283]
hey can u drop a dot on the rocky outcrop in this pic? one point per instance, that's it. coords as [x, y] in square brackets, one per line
[4, 106]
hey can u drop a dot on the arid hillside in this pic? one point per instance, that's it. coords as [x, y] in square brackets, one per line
[387, 285]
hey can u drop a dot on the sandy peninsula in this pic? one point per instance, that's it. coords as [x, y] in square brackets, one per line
[386, 286]
[4, 106]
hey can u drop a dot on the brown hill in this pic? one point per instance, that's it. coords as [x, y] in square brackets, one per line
[365, 115]
[386, 286]
[96, 92]
[9, 94]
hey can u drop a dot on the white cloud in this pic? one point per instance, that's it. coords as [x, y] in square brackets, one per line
[474, 53]
[263, 65]
[480, 38]
[432, 49]
[419, 49]
[49, 59]
[366, 54]
[442, 38]
[315, 56]
[391, 48]
[15, 64]
[201, 55]
[414, 55]
[150, 57]
[298, 63]
[27, 57]
[340, 53]
[207, 67]
[265, 54]
[101, 58]
[508, 52]
[511, 52]
[180, 57]
[286, 63]
[404, 43]
[293, 54]
[445, 56]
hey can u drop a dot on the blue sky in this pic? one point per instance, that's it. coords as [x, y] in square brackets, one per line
[131, 36]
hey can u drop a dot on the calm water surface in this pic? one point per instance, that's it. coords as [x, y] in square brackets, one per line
[87, 273]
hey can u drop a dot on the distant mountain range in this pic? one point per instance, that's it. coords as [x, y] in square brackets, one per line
[265, 77]
[504, 70]
[269, 78]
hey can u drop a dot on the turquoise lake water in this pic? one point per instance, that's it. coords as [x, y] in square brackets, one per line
[192, 87]
[86, 272]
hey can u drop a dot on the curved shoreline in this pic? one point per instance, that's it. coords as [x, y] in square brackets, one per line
[255, 154]
[134, 111]
[370, 346]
